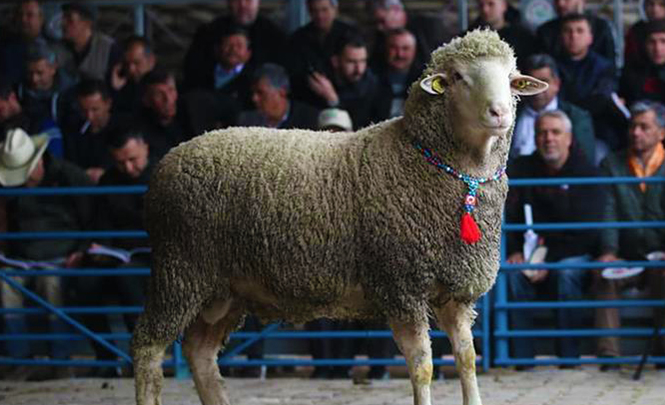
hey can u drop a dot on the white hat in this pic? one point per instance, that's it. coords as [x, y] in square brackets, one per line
[19, 154]
[334, 117]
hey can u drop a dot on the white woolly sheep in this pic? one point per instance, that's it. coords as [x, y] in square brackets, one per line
[294, 225]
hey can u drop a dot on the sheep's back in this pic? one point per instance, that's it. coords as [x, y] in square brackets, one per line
[274, 209]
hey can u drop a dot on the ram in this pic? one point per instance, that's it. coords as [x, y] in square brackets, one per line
[399, 220]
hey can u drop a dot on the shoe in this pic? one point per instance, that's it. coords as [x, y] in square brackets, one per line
[20, 373]
[247, 372]
[567, 366]
[339, 373]
[660, 366]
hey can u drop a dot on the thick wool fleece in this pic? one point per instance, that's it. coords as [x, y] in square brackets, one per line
[299, 224]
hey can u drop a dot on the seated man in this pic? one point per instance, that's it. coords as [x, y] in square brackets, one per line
[274, 107]
[119, 212]
[85, 136]
[350, 85]
[553, 158]
[633, 202]
[137, 60]
[32, 166]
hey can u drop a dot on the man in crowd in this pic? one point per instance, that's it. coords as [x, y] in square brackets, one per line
[29, 17]
[588, 79]
[351, 85]
[312, 46]
[119, 212]
[543, 67]
[266, 39]
[397, 74]
[46, 94]
[137, 60]
[644, 157]
[553, 158]
[11, 112]
[85, 142]
[493, 14]
[93, 53]
[168, 119]
[549, 38]
[430, 31]
[646, 80]
[25, 162]
[274, 108]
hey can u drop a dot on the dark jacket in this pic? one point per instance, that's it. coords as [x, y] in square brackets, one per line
[430, 31]
[122, 212]
[548, 36]
[87, 149]
[300, 116]
[393, 87]
[267, 40]
[644, 81]
[626, 202]
[307, 54]
[552, 204]
[517, 36]
[51, 213]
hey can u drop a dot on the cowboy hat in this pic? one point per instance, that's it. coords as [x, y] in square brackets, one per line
[19, 154]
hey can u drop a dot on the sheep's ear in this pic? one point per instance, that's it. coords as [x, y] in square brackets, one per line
[434, 84]
[526, 85]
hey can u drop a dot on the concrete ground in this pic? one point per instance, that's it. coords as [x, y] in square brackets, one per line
[542, 386]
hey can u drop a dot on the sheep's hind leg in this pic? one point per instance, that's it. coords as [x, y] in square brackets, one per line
[203, 340]
[456, 320]
[414, 343]
[147, 355]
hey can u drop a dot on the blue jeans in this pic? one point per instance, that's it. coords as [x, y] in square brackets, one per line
[565, 285]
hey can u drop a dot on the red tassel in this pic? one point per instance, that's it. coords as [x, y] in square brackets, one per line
[469, 231]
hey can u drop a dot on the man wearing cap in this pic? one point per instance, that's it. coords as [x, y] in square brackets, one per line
[335, 120]
[24, 162]
[94, 54]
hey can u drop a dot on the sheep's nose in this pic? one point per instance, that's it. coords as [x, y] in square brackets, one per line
[498, 110]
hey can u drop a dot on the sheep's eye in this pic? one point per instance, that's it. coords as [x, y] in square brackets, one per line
[521, 84]
[437, 84]
[457, 76]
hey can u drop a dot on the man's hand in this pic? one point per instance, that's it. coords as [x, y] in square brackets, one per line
[94, 174]
[534, 276]
[118, 80]
[74, 260]
[608, 257]
[322, 86]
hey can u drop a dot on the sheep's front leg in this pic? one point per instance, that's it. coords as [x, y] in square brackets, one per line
[456, 320]
[413, 341]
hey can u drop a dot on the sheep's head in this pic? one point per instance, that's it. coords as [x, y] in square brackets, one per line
[468, 93]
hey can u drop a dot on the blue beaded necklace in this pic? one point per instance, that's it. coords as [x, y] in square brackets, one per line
[469, 231]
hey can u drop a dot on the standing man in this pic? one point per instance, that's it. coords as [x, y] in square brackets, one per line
[553, 158]
[644, 157]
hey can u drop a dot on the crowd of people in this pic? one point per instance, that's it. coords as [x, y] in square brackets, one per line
[84, 109]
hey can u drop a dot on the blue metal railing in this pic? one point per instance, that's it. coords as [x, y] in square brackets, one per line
[502, 306]
[494, 342]
[177, 361]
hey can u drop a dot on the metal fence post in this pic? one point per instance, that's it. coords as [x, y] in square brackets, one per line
[501, 313]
